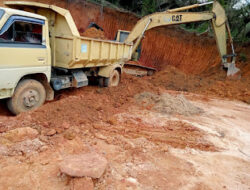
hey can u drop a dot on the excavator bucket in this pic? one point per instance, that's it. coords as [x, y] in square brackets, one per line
[221, 29]
[232, 71]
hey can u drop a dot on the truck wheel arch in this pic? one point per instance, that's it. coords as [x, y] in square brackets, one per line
[106, 71]
[42, 78]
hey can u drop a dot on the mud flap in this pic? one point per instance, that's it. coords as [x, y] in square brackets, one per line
[80, 79]
[49, 91]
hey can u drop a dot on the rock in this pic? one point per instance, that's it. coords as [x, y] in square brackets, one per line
[26, 147]
[165, 149]
[60, 130]
[4, 150]
[99, 91]
[44, 148]
[132, 180]
[66, 125]
[99, 108]
[112, 121]
[2, 129]
[81, 184]
[20, 134]
[46, 124]
[51, 132]
[100, 136]
[84, 165]
[44, 162]
[69, 134]
[43, 138]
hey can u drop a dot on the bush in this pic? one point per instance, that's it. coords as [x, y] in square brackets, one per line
[238, 17]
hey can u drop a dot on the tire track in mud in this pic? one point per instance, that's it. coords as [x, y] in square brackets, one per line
[176, 134]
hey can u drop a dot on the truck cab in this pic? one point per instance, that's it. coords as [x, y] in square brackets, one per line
[25, 55]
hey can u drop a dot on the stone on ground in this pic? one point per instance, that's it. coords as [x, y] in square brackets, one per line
[84, 165]
[20, 134]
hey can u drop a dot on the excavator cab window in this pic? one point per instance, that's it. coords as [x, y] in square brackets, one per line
[121, 36]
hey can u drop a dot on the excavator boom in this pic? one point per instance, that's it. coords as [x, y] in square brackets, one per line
[217, 17]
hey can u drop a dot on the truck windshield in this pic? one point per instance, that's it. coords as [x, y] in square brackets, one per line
[1, 13]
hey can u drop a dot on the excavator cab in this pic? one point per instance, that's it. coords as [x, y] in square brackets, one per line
[121, 36]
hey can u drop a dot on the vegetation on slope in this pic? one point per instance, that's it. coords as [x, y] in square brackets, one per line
[238, 14]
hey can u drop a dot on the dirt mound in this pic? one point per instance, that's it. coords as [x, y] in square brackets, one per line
[168, 104]
[94, 33]
[213, 82]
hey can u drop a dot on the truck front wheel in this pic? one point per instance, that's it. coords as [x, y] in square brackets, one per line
[29, 94]
[113, 80]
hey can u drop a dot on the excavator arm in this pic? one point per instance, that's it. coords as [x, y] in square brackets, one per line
[217, 17]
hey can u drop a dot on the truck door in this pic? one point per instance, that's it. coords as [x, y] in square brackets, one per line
[23, 50]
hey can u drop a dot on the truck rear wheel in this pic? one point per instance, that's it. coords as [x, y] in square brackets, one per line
[113, 80]
[29, 94]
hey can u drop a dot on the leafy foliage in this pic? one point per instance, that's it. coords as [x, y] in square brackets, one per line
[238, 17]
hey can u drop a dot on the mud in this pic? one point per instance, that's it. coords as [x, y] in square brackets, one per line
[140, 144]
[212, 83]
[94, 33]
[168, 104]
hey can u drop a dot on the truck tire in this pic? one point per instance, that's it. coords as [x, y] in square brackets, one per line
[113, 80]
[29, 94]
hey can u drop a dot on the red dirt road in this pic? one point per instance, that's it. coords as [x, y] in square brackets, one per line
[145, 149]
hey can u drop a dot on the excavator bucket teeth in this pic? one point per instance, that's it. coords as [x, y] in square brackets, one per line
[233, 71]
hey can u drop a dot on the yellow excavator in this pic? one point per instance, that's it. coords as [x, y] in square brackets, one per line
[176, 16]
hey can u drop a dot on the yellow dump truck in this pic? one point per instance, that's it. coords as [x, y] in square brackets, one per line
[41, 50]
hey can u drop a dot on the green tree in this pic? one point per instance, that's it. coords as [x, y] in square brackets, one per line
[148, 7]
[238, 17]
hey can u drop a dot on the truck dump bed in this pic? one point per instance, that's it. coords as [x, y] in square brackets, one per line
[69, 49]
[78, 52]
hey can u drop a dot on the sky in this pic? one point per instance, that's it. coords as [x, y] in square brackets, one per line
[242, 3]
